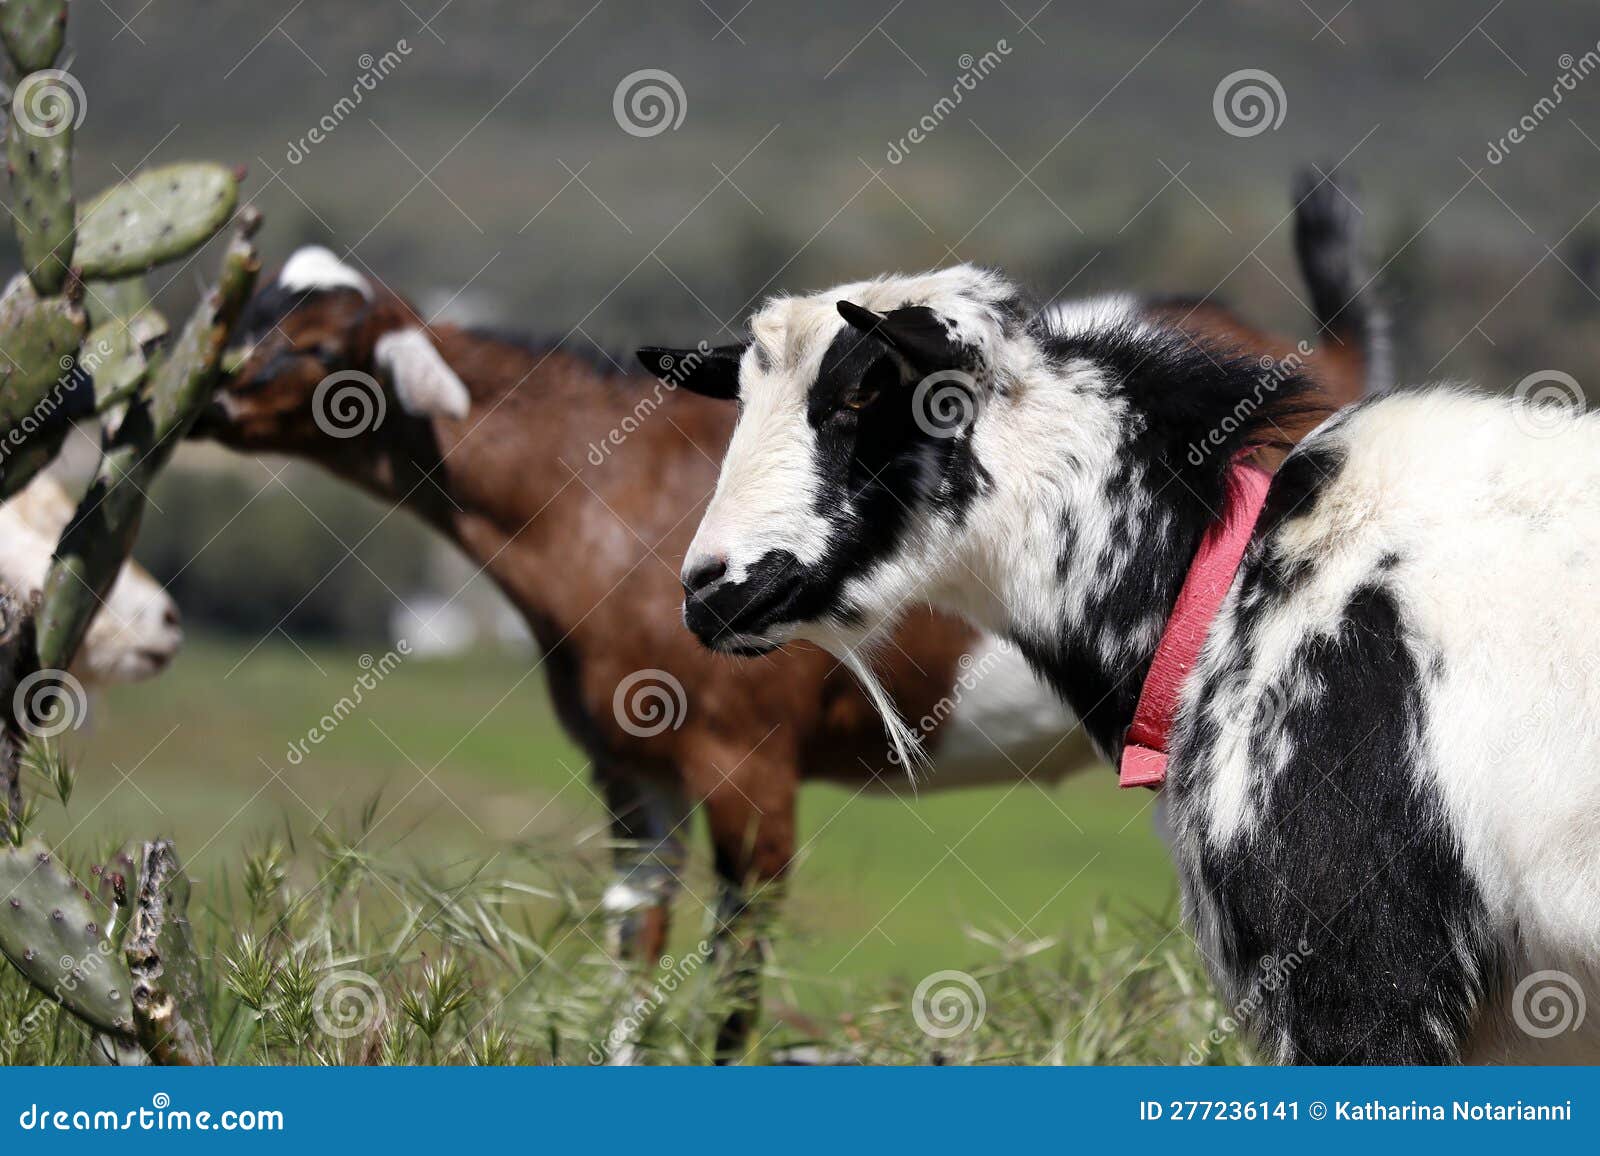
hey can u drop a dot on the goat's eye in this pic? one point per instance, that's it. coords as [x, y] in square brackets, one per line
[326, 352]
[880, 376]
[860, 396]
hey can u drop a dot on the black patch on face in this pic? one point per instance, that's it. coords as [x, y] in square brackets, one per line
[775, 590]
[878, 468]
[267, 309]
[1354, 857]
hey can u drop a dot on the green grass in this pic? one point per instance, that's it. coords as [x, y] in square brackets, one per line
[474, 780]
[886, 884]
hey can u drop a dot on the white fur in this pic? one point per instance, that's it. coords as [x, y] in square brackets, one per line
[134, 635]
[314, 267]
[423, 380]
[1070, 318]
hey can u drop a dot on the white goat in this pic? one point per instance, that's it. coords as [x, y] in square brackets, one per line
[135, 634]
[1382, 766]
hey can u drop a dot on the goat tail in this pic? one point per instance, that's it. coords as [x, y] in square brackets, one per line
[1350, 318]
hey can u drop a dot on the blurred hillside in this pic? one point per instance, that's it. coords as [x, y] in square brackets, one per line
[488, 175]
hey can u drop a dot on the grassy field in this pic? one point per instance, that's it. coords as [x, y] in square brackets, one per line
[471, 765]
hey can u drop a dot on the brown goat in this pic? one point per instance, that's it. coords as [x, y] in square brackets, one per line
[576, 488]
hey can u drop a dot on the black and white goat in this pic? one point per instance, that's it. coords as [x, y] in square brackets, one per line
[1385, 761]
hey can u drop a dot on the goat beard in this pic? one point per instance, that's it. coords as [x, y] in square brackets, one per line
[855, 649]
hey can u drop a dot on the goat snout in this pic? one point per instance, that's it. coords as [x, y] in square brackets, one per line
[700, 574]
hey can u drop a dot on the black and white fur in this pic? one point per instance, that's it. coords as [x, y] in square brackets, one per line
[1387, 762]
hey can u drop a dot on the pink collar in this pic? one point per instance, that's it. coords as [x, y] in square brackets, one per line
[1144, 751]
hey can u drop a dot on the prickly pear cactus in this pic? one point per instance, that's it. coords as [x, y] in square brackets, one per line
[33, 31]
[102, 532]
[169, 998]
[159, 215]
[114, 356]
[122, 299]
[54, 933]
[40, 338]
[41, 393]
[39, 161]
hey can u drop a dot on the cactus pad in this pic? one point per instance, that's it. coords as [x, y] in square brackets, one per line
[119, 300]
[39, 337]
[39, 160]
[159, 215]
[33, 31]
[114, 356]
[54, 934]
[40, 391]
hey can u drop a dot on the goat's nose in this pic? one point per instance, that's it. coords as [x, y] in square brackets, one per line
[704, 573]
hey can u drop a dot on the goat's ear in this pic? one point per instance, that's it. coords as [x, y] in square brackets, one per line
[915, 333]
[423, 381]
[713, 372]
